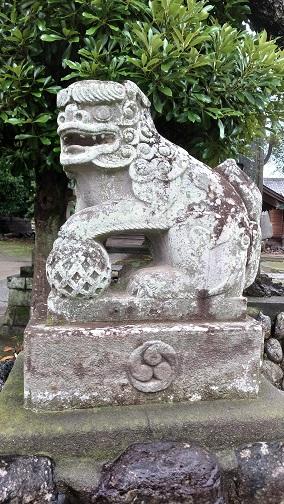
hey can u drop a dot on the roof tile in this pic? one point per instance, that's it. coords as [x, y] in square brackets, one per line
[275, 184]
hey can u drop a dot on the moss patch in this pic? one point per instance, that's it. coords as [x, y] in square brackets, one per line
[103, 433]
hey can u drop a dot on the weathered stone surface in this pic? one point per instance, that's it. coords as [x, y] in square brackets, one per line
[162, 472]
[26, 480]
[279, 326]
[69, 365]
[273, 350]
[17, 316]
[253, 312]
[266, 324]
[260, 474]
[159, 332]
[16, 282]
[18, 310]
[272, 372]
[8, 331]
[77, 478]
[29, 283]
[21, 315]
[103, 433]
[116, 308]
[203, 225]
[19, 297]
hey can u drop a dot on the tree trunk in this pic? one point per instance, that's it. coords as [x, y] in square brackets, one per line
[268, 15]
[50, 214]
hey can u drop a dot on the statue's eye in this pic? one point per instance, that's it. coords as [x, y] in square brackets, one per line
[79, 116]
[102, 113]
[61, 118]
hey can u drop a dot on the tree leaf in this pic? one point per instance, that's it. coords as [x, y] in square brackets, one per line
[45, 140]
[221, 129]
[50, 37]
[158, 104]
[24, 136]
[166, 90]
[92, 30]
[192, 117]
[14, 120]
[43, 118]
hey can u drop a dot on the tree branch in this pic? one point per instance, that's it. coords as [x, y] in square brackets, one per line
[268, 15]
[269, 152]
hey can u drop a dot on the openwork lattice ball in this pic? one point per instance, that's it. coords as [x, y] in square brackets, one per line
[78, 268]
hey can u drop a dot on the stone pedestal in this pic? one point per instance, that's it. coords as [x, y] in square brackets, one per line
[72, 366]
[101, 434]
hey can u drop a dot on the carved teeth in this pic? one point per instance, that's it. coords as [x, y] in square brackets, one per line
[85, 140]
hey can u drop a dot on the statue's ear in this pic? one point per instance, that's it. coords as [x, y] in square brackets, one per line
[62, 98]
[134, 93]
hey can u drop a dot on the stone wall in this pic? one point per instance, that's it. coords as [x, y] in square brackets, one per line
[152, 473]
[19, 302]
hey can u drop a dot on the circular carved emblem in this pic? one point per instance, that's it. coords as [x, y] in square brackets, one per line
[151, 366]
[78, 268]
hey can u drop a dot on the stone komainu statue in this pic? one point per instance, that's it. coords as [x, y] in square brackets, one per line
[202, 224]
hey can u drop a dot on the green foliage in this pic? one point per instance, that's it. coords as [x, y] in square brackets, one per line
[16, 192]
[212, 79]
[233, 11]
[277, 142]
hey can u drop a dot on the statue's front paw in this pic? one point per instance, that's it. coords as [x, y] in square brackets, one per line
[162, 282]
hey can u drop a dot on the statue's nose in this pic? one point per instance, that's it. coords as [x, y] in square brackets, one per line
[73, 113]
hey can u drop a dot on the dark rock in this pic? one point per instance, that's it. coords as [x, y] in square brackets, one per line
[162, 472]
[279, 326]
[272, 372]
[62, 499]
[264, 286]
[260, 474]
[5, 369]
[273, 350]
[26, 480]
[266, 324]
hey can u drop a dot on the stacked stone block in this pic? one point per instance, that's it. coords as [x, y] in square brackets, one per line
[19, 302]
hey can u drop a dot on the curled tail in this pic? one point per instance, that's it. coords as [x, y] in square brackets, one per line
[252, 200]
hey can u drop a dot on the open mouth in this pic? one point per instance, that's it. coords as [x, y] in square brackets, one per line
[74, 142]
